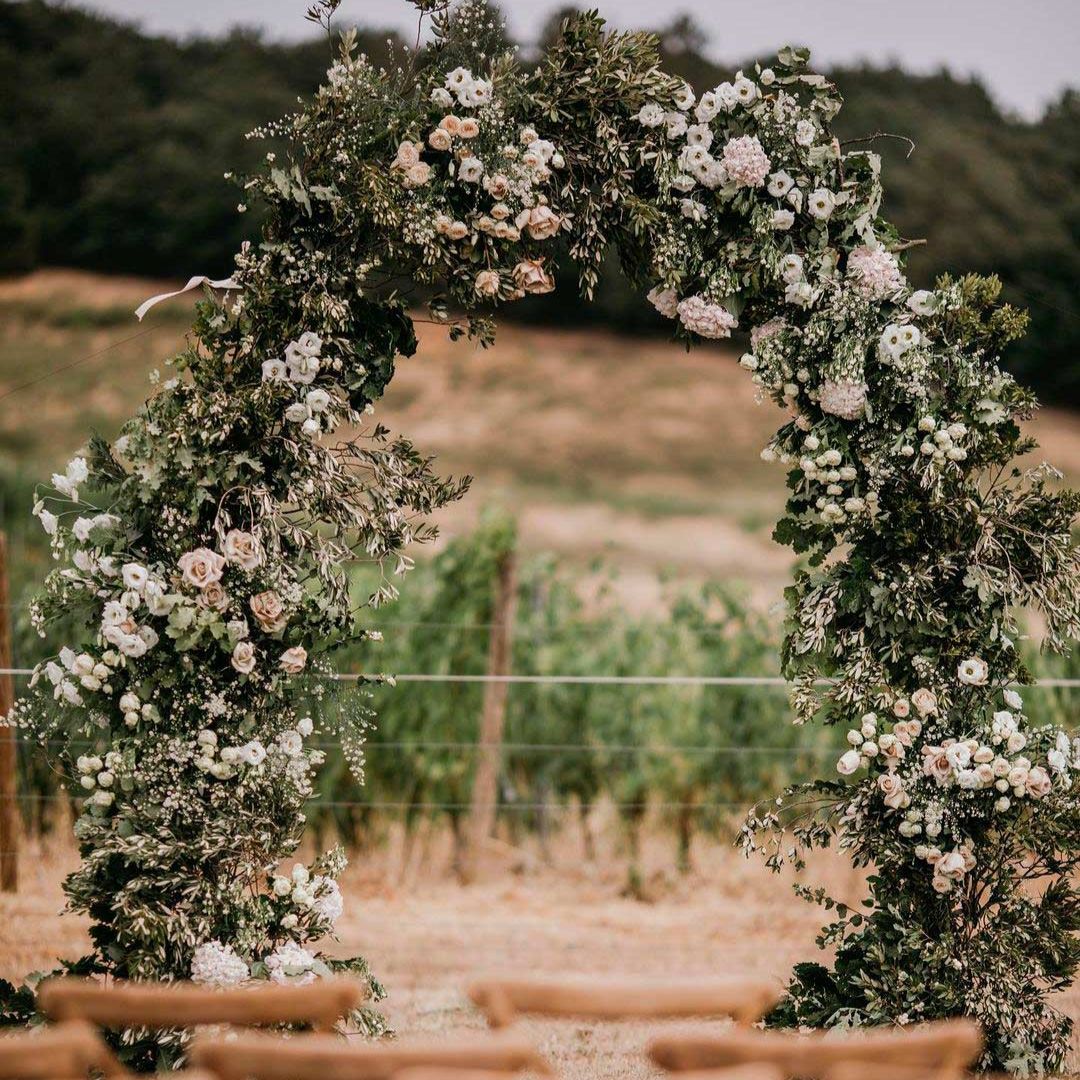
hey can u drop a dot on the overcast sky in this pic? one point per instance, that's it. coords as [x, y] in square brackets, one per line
[1026, 51]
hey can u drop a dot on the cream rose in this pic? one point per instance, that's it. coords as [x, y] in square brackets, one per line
[531, 277]
[213, 596]
[541, 222]
[936, 763]
[201, 566]
[242, 549]
[487, 283]
[952, 866]
[440, 139]
[294, 660]
[892, 790]
[418, 175]
[496, 186]
[243, 657]
[1038, 782]
[925, 701]
[269, 611]
[408, 154]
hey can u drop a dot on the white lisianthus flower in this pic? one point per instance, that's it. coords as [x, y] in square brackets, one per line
[291, 743]
[274, 371]
[707, 107]
[253, 752]
[650, 115]
[675, 124]
[218, 965]
[780, 183]
[134, 576]
[1013, 699]
[297, 412]
[49, 521]
[318, 400]
[692, 210]
[726, 96]
[799, 294]
[699, 135]
[158, 601]
[791, 268]
[782, 220]
[302, 366]
[470, 170]
[805, 132]
[746, 90]
[305, 726]
[459, 77]
[440, 98]
[684, 97]
[923, 302]
[329, 904]
[81, 529]
[820, 204]
[973, 672]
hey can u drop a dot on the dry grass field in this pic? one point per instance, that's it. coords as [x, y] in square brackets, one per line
[428, 937]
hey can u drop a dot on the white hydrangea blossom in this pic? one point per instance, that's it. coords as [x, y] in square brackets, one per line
[218, 965]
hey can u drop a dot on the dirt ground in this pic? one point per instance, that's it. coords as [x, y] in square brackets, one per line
[428, 937]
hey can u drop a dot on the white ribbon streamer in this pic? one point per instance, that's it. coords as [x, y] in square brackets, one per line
[193, 283]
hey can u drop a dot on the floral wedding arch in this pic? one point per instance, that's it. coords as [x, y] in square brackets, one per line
[207, 547]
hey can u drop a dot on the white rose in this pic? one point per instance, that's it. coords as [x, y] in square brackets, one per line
[849, 762]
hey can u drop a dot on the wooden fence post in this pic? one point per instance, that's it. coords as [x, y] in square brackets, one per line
[493, 719]
[9, 828]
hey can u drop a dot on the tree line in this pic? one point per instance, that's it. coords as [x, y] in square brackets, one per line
[118, 142]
